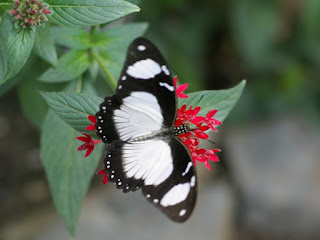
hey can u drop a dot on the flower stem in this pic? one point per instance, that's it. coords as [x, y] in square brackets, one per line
[98, 58]
[79, 84]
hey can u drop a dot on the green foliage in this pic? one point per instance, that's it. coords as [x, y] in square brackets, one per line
[45, 47]
[15, 48]
[83, 13]
[223, 100]
[69, 66]
[68, 172]
[73, 108]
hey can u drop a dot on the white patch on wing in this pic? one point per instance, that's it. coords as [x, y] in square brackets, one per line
[140, 114]
[150, 161]
[187, 169]
[193, 181]
[163, 84]
[144, 69]
[175, 195]
[182, 212]
[165, 70]
[141, 48]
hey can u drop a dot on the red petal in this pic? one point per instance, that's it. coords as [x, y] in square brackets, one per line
[82, 147]
[101, 172]
[89, 151]
[182, 95]
[92, 118]
[201, 134]
[87, 135]
[204, 128]
[182, 87]
[91, 127]
[105, 179]
[214, 158]
[196, 110]
[83, 139]
[175, 80]
[95, 142]
[207, 165]
[211, 113]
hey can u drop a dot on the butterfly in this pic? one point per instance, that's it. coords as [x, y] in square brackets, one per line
[137, 123]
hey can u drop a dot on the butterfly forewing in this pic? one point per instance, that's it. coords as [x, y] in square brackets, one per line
[145, 99]
[145, 104]
[145, 70]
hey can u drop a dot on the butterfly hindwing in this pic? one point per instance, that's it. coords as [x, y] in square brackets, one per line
[176, 196]
[113, 161]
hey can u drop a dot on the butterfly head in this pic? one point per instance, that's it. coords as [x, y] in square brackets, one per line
[181, 129]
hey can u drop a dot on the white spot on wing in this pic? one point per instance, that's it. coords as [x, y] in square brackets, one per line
[193, 181]
[187, 169]
[175, 195]
[165, 70]
[163, 84]
[124, 78]
[144, 69]
[182, 212]
[141, 48]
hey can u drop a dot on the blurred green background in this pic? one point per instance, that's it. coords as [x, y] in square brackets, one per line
[267, 183]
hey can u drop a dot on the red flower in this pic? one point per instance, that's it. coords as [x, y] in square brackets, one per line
[208, 120]
[88, 144]
[198, 125]
[105, 176]
[180, 89]
[92, 126]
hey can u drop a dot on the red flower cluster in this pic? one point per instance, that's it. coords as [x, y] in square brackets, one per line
[29, 13]
[197, 124]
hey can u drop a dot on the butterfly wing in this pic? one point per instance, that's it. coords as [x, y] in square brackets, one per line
[163, 169]
[176, 196]
[145, 98]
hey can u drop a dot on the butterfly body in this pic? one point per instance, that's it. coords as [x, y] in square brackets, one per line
[137, 123]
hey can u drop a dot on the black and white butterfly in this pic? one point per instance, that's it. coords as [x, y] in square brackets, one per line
[144, 150]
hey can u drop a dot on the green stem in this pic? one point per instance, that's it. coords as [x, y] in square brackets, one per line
[79, 84]
[106, 71]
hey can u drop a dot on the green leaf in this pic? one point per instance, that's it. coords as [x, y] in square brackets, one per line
[74, 38]
[73, 108]
[5, 27]
[69, 66]
[68, 172]
[32, 104]
[223, 100]
[82, 13]
[4, 6]
[112, 46]
[20, 43]
[44, 46]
